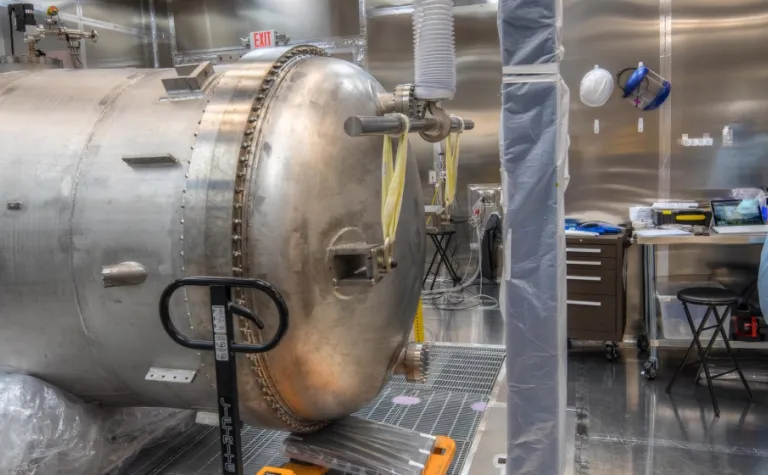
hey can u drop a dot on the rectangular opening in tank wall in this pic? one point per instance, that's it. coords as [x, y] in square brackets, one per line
[355, 263]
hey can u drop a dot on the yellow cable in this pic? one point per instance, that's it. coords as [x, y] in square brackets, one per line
[452, 166]
[393, 182]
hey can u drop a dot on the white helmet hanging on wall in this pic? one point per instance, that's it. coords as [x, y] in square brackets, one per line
[596, 87]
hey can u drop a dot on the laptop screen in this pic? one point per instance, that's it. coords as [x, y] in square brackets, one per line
[733, 213]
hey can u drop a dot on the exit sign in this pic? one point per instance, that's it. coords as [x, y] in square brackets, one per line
[263, 39]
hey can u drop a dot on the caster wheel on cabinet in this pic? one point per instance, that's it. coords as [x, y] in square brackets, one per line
[611, 351]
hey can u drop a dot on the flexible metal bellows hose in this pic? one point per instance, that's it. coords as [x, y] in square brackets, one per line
[434, 50]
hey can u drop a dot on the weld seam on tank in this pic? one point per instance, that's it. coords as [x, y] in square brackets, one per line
[434, 50]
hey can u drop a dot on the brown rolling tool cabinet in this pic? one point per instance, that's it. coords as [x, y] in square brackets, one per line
[595, 269]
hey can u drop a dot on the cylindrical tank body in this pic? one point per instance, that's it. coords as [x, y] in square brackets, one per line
[251, 176]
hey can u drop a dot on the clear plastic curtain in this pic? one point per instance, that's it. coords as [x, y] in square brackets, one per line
[534, 147]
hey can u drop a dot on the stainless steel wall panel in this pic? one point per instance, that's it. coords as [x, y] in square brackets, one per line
[118, 23]
[618, 167]
[120, 12]
[50, 44]
[208, 24]
[65, 6]
[719, 77]
[115, 50]
[390, 60]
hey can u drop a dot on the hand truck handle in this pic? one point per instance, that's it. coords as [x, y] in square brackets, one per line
[226, 282]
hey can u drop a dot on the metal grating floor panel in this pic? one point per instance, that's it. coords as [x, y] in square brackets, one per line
[451, 403]
[471, 369]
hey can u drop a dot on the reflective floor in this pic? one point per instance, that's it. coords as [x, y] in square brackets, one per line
[632, 425]
[476, 321]
[635, 427]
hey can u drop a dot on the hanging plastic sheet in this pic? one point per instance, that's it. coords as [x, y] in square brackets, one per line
[534, 156]
[44, 431]
[534, 151]
[530, 33]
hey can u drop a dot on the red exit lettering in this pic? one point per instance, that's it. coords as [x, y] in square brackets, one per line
[262, 39]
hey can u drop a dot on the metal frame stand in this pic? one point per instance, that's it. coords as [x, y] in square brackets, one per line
[651, 366]
[704, 353]
[441, 238]
[225, 348]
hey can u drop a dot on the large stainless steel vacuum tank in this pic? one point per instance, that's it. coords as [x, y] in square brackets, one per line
[116, 182]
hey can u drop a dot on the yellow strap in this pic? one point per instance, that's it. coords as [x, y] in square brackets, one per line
[393, 182]
[452, 165]
[418, 324]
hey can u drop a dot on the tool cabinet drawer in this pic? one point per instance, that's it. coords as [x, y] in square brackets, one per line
[589, 262]
[590, 312]
[577, 251]
[591, 282]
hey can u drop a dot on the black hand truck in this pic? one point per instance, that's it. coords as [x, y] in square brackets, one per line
[225, 348]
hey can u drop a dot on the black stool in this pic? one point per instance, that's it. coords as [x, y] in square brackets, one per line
[441, 238]
[712, 298]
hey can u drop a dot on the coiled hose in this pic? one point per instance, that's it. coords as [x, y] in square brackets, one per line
[434, 50]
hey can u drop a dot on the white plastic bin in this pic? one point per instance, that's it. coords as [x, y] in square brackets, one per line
[674, 324]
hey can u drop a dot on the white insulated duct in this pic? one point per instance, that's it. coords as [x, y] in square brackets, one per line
[434, 50]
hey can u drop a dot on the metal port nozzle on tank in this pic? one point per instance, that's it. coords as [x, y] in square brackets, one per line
[414, 362]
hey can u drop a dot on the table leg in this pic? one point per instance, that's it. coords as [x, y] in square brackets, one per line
[651, 318]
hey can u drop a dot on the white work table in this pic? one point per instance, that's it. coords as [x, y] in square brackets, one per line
[649, 244]
[713, 239]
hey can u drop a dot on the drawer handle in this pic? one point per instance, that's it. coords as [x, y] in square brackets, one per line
[589, 250]
[584, 263]
[584, 277]
[584, 303]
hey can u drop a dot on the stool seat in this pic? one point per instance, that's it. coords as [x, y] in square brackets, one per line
[440, 231]
[708, 296]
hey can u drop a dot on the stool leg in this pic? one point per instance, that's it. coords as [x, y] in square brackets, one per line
[703, 356]
[449, 265]
[439, 246]
[429, 269]
[730, 352]
[443, 249]
[711, 341]
[694, 331]
[680, 368]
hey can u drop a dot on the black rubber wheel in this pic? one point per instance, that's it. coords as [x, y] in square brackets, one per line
[649, 371]
[642, 343]
[570, 344]
[611, 352]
